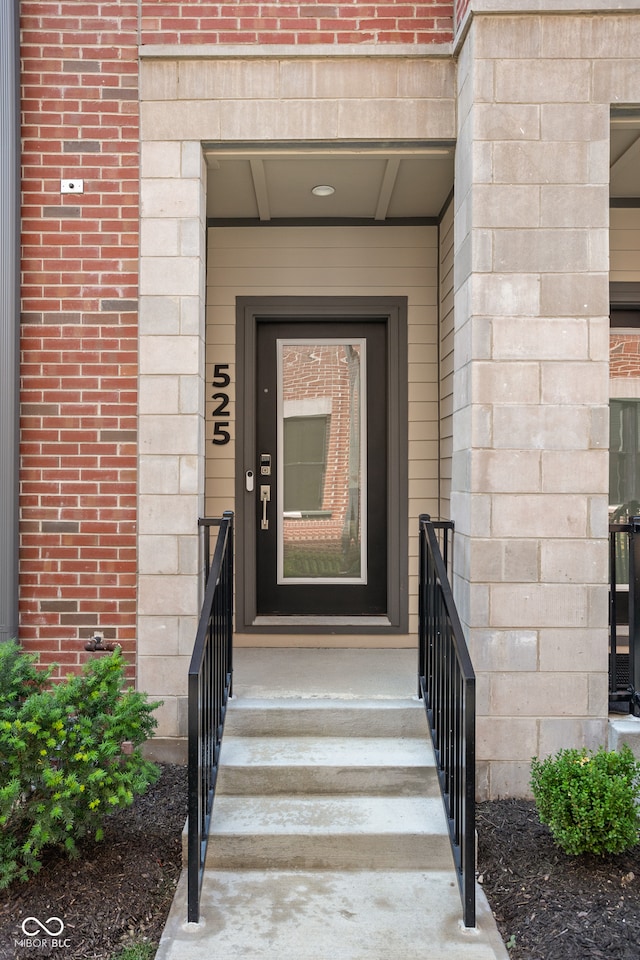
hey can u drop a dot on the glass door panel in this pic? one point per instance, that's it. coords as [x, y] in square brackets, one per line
[321, 429]
[321, 458]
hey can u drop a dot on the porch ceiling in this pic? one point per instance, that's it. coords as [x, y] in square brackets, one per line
[370, 184]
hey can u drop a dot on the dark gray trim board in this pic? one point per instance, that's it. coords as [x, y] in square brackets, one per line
[323, 222]
[313, 147]
[624, 295]
[9, 313]
[393, 310]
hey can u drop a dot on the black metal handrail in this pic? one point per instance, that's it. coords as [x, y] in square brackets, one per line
[446, 681]
[624, 615]
[209, 689]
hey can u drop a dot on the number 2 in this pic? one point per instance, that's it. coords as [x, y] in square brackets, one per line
[222, 404]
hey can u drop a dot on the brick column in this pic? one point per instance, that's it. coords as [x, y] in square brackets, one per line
[530, 469]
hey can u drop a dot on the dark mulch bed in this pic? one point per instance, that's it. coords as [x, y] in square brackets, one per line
[549, 906]
[118, 892]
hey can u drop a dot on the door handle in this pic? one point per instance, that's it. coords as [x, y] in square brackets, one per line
[265, 497]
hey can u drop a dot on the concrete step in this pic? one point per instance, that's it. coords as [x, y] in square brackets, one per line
[327, 765]
[355, 787]
[294, 716]
[328, 833]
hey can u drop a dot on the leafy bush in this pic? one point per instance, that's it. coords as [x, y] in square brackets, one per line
[62, 764]
[589, 800]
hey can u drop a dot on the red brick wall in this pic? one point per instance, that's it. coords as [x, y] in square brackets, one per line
[79, 334]
[295, 22]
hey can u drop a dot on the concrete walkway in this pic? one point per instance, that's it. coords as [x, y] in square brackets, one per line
[358, 913]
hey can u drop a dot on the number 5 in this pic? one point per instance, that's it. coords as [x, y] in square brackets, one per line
[220, 435]
[220, 377]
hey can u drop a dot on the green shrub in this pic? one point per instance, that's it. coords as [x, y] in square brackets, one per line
[589, 800]
[62, 765]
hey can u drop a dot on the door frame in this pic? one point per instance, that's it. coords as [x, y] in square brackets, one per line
[393, 312]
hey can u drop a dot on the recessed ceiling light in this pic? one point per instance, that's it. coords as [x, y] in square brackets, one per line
[323, 190]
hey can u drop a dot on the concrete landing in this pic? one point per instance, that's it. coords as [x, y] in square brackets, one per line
[345, 674]
[328, 915]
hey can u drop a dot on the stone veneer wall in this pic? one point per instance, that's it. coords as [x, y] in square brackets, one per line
[530, 476]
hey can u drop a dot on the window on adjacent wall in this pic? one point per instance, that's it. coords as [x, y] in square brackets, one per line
[305, 459]
[624, 415]
[624, 458]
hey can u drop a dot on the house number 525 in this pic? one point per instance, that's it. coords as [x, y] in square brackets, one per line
[221, 379]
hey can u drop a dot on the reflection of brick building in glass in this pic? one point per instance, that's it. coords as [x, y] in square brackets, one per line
[321, 393]
[624, 425]
[624, 355]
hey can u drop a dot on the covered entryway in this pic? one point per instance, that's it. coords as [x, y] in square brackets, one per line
[323, 275]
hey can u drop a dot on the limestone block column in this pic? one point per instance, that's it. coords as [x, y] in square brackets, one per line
[530, 463]
[171, 419]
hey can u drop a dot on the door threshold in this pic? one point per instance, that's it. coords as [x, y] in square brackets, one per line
[317, 621]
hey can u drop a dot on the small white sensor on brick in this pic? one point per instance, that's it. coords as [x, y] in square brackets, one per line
[72, 186]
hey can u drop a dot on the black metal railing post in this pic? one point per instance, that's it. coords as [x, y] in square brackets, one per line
[446, 681]
[613, 612]
[209, 689]
[634, 612]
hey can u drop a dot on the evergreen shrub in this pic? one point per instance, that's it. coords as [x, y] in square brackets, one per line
[62, 762]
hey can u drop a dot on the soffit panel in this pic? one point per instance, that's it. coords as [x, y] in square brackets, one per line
[379, 185]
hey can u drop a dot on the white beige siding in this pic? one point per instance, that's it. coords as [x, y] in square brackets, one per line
[331, 261]
[624, 245]
[446, 360]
